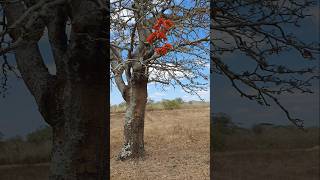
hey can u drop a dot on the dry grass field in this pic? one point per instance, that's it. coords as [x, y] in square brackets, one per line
[177, 147]
[25, 172]
[300, 164]
[176, 143]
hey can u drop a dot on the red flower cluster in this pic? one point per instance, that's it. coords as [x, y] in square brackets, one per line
[164, 49]
[161, 28]
[166, 24]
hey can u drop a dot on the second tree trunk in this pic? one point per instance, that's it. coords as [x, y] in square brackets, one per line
[133, 146]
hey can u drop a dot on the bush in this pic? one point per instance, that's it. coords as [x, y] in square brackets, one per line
[179, 100]
[1, 136]
[220, 128]
[171, 104]
[257, 129]
[36, 148]
[40, 135]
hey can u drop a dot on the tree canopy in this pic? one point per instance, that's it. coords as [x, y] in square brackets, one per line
[262, 31]
[180, 56]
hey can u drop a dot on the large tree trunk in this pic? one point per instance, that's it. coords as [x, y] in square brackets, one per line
[75, 100]
[133, 146]
[80, 141]
[81, 133]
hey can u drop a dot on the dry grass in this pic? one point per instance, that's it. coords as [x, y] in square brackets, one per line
[176, 142]
[158, 106]
[271, 164]
[24, 152]
[177, 147]
[24, 172]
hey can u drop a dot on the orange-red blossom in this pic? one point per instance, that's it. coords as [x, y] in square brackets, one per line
[161, 28]
[164, 49]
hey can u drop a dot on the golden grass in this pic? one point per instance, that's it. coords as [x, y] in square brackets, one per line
[177, 147]
[24, 153]
[176, 143]
[296, 164]
[159, 106]
[24, 172]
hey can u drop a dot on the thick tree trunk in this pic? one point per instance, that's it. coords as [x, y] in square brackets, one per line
[81, 132]
[75, 100]
[133, 146]
[80, 141]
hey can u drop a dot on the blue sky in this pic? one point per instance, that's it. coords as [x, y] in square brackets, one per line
[157, 93]
[245, 112]
[19, 114]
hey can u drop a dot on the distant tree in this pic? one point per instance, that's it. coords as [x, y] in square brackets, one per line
[122, 104]
[261, 30]
[221, 126]
[179, 100]
[1, 136]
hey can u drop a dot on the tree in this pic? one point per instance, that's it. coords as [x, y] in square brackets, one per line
[179, 100]
[262, 30]
[164, 42]
[222, 126]
[74, 101]
[1, 136]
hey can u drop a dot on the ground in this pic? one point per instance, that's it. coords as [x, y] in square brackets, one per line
[177, 147]
[176, 143]
[299, 164]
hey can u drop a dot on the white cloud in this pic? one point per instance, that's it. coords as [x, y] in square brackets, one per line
[158, 94]
[165, 73]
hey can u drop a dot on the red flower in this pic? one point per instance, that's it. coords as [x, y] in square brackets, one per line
[164, 49]
[158, 50]
[161, 50]
[167, 46]
[167, 24]
[156, 27]
[161, 28]
[160, 21]
[161, 35]
[152, 37]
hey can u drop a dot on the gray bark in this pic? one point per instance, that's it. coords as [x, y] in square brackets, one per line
[133, 146]
[74, 102]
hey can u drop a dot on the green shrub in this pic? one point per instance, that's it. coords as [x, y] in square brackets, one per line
[40, 135]
[179, 100]
[171, 104]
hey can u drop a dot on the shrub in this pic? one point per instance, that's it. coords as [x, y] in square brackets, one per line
[171, 104]
[257, 129]
[220, 128]
[1, 136]
[40, 135]
[179, 100]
